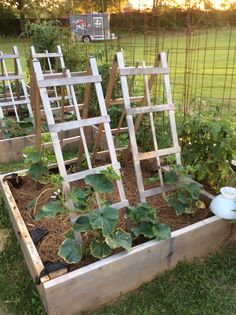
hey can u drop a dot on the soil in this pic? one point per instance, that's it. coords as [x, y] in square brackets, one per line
[49, 245]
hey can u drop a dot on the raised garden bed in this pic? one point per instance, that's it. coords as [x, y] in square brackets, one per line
[102, 281]
[11, 149]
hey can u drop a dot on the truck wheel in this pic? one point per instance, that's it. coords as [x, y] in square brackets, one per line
[86, 39]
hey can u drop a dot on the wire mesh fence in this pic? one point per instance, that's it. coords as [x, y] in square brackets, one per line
[202, 61]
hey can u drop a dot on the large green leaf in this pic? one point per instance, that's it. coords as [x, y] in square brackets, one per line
[184, 198]
[179, 207]
[170, 178]
[141, 212]
[105, 219]
[50, 210]
[100, 249]
[161, 231]
[79, 198]
[145, 229]
[82, 224]
[119, 238]
[37, 170]
[69, 234]
[70, 251]
[99, 182]
[194, 190]
[31, 155]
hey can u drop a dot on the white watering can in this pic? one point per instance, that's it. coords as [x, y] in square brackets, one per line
[224, 205]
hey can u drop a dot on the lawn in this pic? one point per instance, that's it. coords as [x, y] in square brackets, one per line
[206, 287]
[202, 69]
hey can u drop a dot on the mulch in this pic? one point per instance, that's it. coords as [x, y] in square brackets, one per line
[49, 245]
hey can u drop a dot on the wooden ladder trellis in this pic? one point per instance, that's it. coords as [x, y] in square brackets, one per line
[51, 70]
[60, 97]
[9, 98]
[80, 123]
[114, 73]
[157, 153]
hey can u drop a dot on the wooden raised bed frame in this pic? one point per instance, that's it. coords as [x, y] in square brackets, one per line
[101, 282]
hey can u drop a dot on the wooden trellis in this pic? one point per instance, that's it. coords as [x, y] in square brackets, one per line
[79, 124]
[114, 73]
[53, 62]
[54, 67]
[148, 108]
[10, 99]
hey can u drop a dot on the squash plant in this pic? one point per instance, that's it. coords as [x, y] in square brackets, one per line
[186, 195]
[37, 162]
[101, 224]
[145, 222]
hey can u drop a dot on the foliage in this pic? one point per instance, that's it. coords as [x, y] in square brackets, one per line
[37, 162]
[208, 146]
[102, 222]
[7, 17]
[186, 196]
[144, 133]
[12, 128]
[44, 35]
[74, 53]
[146, 223]
[106, 235]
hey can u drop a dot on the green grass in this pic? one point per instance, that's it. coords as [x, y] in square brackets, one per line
[203, 287]
[206, 63]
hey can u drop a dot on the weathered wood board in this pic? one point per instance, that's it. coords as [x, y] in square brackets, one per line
[11, 149]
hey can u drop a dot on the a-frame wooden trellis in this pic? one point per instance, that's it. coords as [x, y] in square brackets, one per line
[79, 124]
[54, 67]
[114, 73]
[10, 98]
[148, 109]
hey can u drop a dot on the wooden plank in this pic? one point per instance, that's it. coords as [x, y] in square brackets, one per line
[54, 75]
[120, 101]
[16, 102]
[108, 279]
[82, 144]
[59, 98]
[47, 55]
[233, 235]
[159, 153]
[69, 125]
[143, 71]
[155, 191]
[133, 142]
[107, 128]
[68, 81]
[153, 129]
[123, 115]
[80, 175]
[11, 77]
[110, 86]
[9, 56]
[29, 250]
[51, 121]
[149, 109]
[166, 79]
[67, 109]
